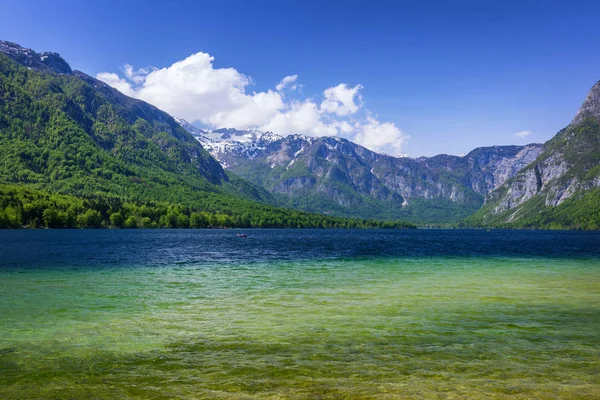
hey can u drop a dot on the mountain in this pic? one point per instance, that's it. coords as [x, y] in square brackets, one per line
[561, 187]
[338, 177]
[77, 152]
[50, 110]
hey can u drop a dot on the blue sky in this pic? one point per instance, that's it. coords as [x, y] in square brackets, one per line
[451, 75]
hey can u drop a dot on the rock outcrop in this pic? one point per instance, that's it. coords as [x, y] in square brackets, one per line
[567, 166]
[590, 107]
[46, 61]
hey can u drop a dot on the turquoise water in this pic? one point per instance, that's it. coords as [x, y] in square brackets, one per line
[299, 314]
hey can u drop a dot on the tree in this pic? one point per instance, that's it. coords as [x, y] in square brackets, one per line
[50, 218]
[131, 223]
[198, 220]
[146, 222]
[116, 219]
[90, 219]
[183, 221]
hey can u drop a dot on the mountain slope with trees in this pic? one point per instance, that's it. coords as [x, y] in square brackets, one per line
[73, 146]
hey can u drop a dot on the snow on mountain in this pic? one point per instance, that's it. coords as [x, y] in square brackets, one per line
[247, 143]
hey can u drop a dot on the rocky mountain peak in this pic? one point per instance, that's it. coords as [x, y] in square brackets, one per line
[46, 61]
[270, 137]
[590, 107]
[229, 133]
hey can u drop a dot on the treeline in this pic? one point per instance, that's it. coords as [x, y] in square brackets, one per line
[22, 206]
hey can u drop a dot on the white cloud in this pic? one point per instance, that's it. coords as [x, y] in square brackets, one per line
[193, 89]
[343, 126]
[383, 136]
[137, 76]
[118, 83]
[339, 100]
[251, 111]
[523, 134]
[301, 117]
[287, 81]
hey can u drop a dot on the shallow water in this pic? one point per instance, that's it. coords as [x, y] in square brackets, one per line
[299, 314]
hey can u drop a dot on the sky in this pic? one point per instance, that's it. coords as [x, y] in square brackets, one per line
[414, 77]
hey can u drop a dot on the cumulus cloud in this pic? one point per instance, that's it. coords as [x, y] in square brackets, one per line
[339, 100]
[301, 117]
[523, 134]
[118, 83]
[384, 136]
[193, 89]
[288, 81]
[137, 76]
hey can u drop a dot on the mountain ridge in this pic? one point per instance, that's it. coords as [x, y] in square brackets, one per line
[62, 129]
[344, 177]
[511, 186]
[46, 61]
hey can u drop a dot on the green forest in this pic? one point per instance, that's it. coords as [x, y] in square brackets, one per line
[25, 207]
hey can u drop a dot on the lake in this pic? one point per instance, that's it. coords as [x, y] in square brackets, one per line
[382, 314]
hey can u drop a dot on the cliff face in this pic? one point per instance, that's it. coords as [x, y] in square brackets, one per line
[567, 167]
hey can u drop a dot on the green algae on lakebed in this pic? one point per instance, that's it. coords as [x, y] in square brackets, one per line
[369, 327]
